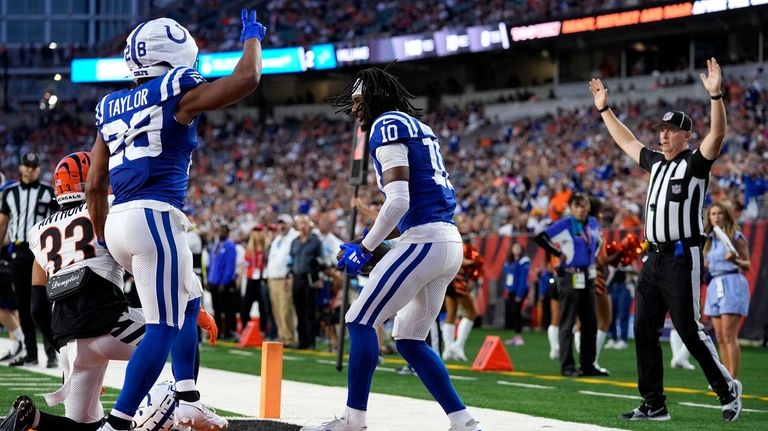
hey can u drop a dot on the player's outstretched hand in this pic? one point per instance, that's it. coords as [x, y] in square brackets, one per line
[713, 79]
[354, 258]
[599, 92]
[251, 27]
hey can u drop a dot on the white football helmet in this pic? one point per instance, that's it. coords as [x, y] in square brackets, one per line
[156, 46]
[156, 412]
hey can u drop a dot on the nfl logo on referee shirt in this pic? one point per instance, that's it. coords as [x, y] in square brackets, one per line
[676, 189]
[667, 116]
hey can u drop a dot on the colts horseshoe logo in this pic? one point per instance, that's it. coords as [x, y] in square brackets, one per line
[170, 36]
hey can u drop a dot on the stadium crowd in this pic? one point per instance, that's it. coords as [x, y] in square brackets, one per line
[307, 22]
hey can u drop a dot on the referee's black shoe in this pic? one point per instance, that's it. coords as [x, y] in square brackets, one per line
[647, 413]
[732, 409]
[594, 372]
[21, 416]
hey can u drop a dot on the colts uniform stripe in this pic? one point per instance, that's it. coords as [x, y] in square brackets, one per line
[174, 268]
[159, 277]
[384, 279]
[408, 270]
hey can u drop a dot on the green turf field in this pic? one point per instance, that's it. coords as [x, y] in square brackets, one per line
[535, 386]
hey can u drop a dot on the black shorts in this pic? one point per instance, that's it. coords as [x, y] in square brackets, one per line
[551, 292]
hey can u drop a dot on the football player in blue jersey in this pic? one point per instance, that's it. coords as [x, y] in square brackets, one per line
[143, 149]
[411, 279]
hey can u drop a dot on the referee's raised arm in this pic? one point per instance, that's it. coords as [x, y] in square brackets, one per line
[711, 144]
[618, 131]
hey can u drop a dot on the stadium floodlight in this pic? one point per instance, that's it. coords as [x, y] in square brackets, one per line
[57, 77]
[52, 45]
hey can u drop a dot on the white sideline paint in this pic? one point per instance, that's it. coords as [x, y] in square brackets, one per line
[305, 404]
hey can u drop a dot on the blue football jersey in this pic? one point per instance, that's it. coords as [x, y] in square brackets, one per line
[149, 151]
[432, 196]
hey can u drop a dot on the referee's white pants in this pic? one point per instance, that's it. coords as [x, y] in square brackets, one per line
[152, 245]
[410, 281]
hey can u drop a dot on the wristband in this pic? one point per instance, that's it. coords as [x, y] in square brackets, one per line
[718, 97]
[604, 108]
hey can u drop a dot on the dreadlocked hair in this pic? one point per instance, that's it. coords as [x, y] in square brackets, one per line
[382, 92]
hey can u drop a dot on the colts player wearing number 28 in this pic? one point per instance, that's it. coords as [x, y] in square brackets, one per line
[411, 279]
[144, 148]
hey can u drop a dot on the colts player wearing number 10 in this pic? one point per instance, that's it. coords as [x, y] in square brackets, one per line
[410, 281]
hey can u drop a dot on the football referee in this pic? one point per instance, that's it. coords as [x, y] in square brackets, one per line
[671, 276]
[24, 204]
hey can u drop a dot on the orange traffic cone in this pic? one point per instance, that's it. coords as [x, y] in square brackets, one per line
[492, 356]
[251, 336]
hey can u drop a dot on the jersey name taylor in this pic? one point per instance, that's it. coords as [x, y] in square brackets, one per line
[150, 152]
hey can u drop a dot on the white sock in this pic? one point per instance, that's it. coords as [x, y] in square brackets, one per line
[355, 417]
[577, 341]
[460, 417]
[553, 334]
[600, 341]
[449, 333]
[185, 385]
[465, 327]
[18, 334]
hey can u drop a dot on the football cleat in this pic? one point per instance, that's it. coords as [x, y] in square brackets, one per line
[647, 413]
[21, 416]
[198, 417]
[472, 425]
[15, 351]
[732, 410]
[337, 424]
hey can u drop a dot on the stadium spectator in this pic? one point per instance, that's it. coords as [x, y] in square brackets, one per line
[460, 293]
[256, 289]
[727, 303]
[515, 279]
[279, 280]
[222, 282]
[306, 251]
[671, 275]
[619, 287]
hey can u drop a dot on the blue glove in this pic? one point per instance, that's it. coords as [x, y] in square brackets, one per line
[251, 27]
[354, 258]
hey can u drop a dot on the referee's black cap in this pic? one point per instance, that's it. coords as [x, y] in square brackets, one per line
[30, 159]
[677, 119]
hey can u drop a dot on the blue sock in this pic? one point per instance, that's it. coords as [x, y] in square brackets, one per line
[183, 350]
[363, 357]
[432, 372]
[145, 366]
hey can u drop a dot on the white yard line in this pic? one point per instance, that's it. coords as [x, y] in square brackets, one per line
[716, 407]
[523, 385]
[608, 394]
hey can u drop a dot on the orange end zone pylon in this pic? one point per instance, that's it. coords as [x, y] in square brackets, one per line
[271, 379]
[492, 356]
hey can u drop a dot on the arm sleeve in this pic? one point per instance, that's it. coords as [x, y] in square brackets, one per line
[543, 240]
[396, 204]
[648, 158]
[391, 156]
[700, 165]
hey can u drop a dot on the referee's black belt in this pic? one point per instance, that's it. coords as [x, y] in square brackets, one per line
[662, 247]
[21, 245]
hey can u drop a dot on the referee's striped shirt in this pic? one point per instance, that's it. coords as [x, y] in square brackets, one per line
[25, 205]
[674, 207]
